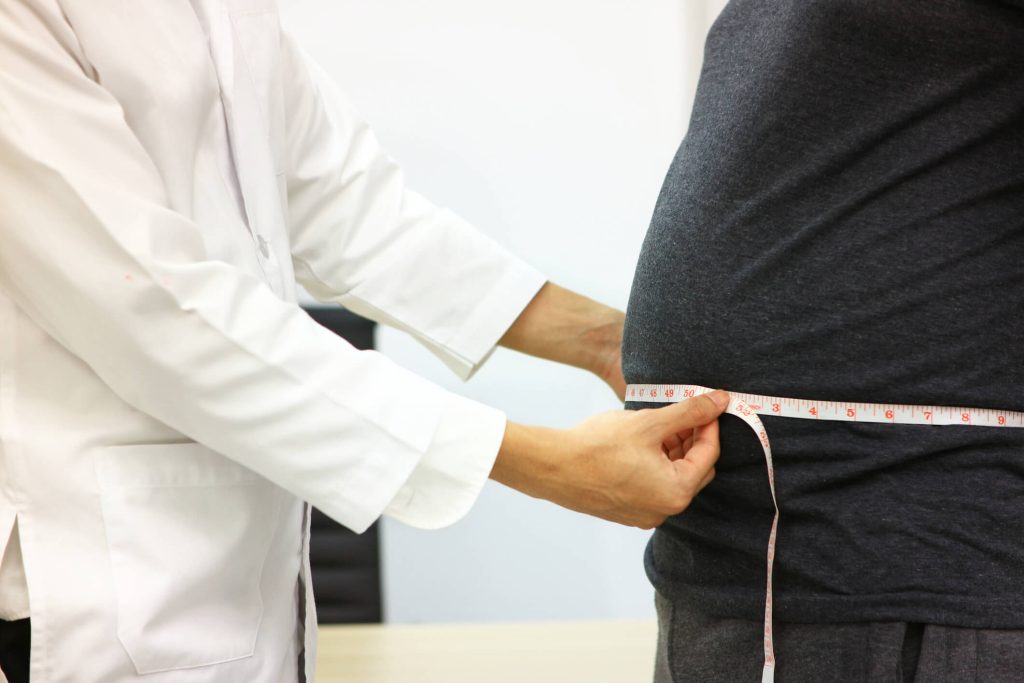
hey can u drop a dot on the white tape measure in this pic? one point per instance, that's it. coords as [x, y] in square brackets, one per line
[748, 406]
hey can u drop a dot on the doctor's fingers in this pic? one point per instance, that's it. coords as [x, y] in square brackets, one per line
[681, 480]
[696, 468]
[679, 418]
[676, 445]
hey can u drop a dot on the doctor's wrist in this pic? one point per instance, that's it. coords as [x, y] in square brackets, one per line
[604, 350]
[530, 459]
[566, 327]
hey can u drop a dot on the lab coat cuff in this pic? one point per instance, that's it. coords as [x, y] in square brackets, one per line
[450, 475]
[475, 340]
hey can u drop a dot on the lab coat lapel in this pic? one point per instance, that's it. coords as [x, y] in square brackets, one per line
[233, 44]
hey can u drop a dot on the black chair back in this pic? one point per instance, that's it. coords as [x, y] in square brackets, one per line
[345, 565]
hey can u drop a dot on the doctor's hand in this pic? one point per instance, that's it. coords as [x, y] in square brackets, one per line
[631, 467]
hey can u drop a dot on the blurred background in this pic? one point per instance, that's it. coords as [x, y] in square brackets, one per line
[549, 124]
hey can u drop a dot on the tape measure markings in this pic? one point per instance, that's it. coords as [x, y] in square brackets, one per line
[747, 407]
[840, 411]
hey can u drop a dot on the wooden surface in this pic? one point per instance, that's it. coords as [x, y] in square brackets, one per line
[576, 652]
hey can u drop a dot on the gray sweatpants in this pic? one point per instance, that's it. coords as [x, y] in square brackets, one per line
[696, 648]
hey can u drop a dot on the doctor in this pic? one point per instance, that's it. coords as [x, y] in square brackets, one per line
[168, 172]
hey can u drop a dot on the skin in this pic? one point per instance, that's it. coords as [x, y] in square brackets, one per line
[632, 467]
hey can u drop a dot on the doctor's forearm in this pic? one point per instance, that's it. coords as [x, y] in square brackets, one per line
[566, 327]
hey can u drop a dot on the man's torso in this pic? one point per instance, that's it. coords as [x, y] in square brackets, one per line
[845, 221]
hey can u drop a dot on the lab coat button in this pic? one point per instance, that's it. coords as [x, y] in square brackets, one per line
[264, 247]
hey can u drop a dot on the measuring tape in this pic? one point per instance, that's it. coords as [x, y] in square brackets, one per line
[748, 406]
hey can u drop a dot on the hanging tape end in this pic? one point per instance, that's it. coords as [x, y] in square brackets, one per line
[768, 673]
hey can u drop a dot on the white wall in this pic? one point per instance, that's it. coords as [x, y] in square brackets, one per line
[549, 124]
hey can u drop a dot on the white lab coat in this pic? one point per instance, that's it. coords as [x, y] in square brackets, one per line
[167, 172]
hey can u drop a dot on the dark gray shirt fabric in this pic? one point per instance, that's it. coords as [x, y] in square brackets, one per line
[845, 221]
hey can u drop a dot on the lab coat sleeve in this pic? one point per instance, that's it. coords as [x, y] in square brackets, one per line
[360, 238]
[90, 251]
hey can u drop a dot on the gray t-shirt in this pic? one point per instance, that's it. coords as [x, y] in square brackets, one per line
[845, 221]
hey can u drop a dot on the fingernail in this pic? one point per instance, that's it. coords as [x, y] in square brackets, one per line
[721, 398]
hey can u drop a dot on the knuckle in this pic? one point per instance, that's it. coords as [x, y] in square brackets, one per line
[653, 416]
[647, 416]
[652, 522]
[680, 501]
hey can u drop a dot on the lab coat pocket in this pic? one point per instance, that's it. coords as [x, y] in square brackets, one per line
[188, 532]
